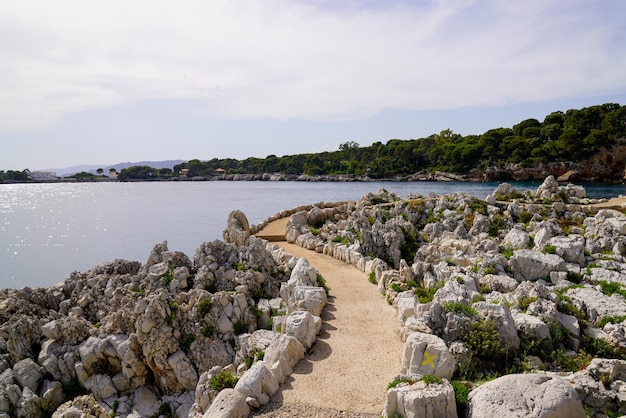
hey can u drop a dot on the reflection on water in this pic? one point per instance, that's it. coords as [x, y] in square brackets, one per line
[50, 230]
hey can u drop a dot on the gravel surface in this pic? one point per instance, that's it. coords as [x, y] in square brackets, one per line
[357, 353]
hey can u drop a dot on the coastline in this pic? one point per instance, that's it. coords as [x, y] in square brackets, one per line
[431, 177]
[514, 257]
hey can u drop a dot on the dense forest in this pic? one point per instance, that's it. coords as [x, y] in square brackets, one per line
[562, 136]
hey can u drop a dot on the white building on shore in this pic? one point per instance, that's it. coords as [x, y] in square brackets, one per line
[43, 175]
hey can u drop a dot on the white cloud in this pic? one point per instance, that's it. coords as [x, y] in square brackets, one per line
[310, 60]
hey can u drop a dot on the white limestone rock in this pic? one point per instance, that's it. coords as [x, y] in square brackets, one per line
[549, 189]
[28, 374]
[530, 326]
[101, 386]
[301, 275]
[301, 325]
[426, 354]
[68, 330]
[525, 395]
[82, 406]
[282, 355]
[504, 189]
[501, 317]
[238, 229]
[229, 403]
[307, 298]
[533, 265]
[183, 369]
[596, 304]
[421, 400]
[258, 383]
[10, 392]
[499, 282]
[571, 248]
[516, 239]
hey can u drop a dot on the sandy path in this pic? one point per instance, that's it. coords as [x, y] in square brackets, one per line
[357, 353]
[615, 203]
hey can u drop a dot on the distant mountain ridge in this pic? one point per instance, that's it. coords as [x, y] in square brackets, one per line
[118, 167]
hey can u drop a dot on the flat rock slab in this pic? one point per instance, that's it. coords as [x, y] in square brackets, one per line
[525, 395]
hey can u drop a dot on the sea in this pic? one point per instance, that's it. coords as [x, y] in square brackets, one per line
[49, 230]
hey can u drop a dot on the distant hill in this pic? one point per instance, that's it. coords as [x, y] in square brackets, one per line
[119, 166]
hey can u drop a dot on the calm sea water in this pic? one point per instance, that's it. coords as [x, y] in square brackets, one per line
[49, 230]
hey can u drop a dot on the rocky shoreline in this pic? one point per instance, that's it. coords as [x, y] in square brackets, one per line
[524, 288]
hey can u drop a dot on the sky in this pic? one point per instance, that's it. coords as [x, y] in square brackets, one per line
[102, 82]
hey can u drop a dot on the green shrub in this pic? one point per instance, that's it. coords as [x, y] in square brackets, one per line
[490, 270]
[610, 288]
[460, 308]
[372, 278]
[484, 288]
[208, 330]
[164, 411]
[425, 295]
[429, 379]
[525, 302]
[256, 312]
[204, 307]
[223, 380]
[566, 307]
[186, 341]
[574, 277]
[524, 217]
[239, 266]
[507, 253]
[321, 282]
[396, 382]
[598, 347]
[497, 223]
[137, 289]
[567, 363]
[340, 239]
[505, 197]
[397, 287]
[409, 246]
[483, 340]
[239, 327]
[478, 205]
[549, 249]
[258, 294]
[461, 394]
[168, 276]
[611, 319]
[257, 355]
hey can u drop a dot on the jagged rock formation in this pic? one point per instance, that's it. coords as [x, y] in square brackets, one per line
[161, 338]
[606, 165]
[518, 282]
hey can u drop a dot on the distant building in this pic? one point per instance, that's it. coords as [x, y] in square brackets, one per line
[183, 172]
[43, 175]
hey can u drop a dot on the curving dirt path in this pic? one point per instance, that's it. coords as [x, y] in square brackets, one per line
[614, 203]
[358, 351]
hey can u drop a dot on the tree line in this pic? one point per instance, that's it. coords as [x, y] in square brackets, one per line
[573, 135]
[562, 136]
